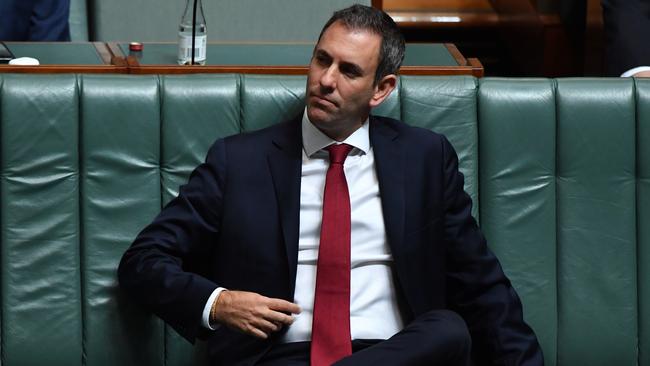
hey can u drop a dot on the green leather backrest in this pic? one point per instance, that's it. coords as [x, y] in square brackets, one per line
[227, 20]
[40, 236]
[562, 168]
[563, 176]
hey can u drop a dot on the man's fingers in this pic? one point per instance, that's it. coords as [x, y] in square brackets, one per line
[266, 326]
[262, 328]
[284, 306]
[642, 74]
[254, 314]
[279, 318]
[257, 333]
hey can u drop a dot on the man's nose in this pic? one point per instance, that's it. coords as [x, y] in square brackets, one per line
[328, 79]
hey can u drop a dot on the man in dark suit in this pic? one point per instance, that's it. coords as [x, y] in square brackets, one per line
[34, 20]
[337, 237]
[627, 27]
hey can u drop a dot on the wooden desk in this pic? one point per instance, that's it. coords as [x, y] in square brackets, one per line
[252, 58]
[287, 58]
[65, 57]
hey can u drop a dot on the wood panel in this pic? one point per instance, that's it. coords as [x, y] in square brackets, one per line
[441, 14]
[437, 5]
[64, 69]
[430, 20]
[514, 7]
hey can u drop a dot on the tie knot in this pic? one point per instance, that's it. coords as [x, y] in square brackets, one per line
[338, 153]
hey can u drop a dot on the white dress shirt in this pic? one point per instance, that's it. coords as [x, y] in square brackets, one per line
[374, 313]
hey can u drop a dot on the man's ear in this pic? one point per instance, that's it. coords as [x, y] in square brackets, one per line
[383, 89]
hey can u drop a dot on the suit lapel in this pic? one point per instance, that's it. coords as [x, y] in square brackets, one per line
[285, 159]
[389, 163]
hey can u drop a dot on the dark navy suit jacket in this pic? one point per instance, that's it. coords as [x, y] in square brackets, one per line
[235, 224]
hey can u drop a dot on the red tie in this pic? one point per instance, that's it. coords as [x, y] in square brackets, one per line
[330, 338]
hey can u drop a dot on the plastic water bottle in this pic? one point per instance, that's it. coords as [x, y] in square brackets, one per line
[185, 35]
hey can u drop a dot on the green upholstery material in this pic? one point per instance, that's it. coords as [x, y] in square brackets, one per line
[263, 106]
[275, 20]
[120, 148]
[517, 186]
[559, 171]
[447, 105]
[191, 120]
[40, 236]
[596, 155]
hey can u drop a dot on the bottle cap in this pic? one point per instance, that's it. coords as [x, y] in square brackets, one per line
[136, 46]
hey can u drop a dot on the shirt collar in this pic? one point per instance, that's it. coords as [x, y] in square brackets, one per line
[314, 139]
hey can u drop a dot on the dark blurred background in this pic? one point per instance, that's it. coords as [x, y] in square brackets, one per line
[551, 38]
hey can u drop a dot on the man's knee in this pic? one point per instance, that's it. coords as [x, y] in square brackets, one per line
[438, 337]
[452, 329]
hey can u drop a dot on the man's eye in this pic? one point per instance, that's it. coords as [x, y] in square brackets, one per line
[350, 72]
[322, 60]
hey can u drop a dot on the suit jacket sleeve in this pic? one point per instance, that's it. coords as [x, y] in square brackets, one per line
[627, 26]
[153, 269]
[476, 286]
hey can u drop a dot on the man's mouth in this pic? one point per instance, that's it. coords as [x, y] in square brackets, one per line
[323, 101]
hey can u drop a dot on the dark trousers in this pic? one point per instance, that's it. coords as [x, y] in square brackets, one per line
[34, 20]
[439, 337]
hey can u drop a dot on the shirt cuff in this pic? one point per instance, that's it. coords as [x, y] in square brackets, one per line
[208, 306]
[633, 71]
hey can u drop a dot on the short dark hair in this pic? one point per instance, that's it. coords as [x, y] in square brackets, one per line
[391, 53]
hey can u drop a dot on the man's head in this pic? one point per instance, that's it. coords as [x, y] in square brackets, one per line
[359, 17]
[353, 69]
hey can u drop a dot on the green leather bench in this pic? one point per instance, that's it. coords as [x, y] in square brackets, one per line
[559, 171]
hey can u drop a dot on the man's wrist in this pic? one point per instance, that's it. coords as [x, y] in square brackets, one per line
[215, 306]
[209, 319]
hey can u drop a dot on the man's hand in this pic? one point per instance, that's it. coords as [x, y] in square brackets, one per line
[252, 313]
[642, 74]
